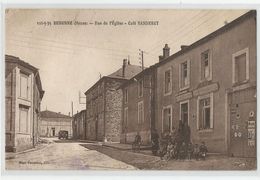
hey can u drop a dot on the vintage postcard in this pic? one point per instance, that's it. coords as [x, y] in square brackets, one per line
[130, 89]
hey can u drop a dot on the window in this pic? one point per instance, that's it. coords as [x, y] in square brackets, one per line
[126, 95]
[205, 66]
[240, 62]
[205, 112]
[125, 119]
[140, 88]
[140, 112]
[167, 119]
[184, 112]
[23, 119]
[184, 75]
[24, 86]
[167, 82]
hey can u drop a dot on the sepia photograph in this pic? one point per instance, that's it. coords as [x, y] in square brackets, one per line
[130, 89]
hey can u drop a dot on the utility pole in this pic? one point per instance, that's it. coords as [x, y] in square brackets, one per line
[71, 108]
[141, 53]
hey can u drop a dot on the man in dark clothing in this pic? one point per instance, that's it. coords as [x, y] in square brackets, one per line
[137, 142]
[155, 142]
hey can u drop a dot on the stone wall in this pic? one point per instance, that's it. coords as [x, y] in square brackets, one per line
[113, 110]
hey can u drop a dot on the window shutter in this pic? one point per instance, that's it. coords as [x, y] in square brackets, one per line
[188, 73]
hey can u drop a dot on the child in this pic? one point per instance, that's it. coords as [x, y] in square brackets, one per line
[196, 151]
[190, 150]
[170, 151]
[203, 150]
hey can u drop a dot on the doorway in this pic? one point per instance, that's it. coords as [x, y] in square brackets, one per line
[53, 131]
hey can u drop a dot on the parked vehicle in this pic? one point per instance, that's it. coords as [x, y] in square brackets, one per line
[63, 134]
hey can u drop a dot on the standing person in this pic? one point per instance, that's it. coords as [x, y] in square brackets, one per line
[203, 150]
[137, 142]
[182, 151]
[155, 142]
[186, 133]
[190, 150]
[196, 151]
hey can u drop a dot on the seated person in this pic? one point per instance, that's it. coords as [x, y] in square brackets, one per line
[203, 150]
[170, 151]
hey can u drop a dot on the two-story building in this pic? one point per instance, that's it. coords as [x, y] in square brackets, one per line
[210, 85]
[104, 104]
[213, 88]
[22, 104]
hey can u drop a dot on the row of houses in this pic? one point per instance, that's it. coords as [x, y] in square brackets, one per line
[210, 85]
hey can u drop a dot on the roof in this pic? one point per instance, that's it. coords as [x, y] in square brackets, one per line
[130, 71]
[145, 71]
[17, 60]
[210, 36]
[51, 114]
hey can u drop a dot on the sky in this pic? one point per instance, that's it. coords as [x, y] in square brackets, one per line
[70, 58]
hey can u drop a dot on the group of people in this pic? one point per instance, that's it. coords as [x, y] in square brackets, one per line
[177, 145]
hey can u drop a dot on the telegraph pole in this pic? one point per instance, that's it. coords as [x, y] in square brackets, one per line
[141, 53]
[72, 108]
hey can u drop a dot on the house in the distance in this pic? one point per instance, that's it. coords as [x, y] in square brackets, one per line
[22, 104]
[51, 123]
[104, 104]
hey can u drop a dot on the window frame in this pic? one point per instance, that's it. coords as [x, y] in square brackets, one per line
[125, 119]
[202, 68]
[138, 87]
[27, 126]
[211, 97]
[27, 76]
[140, 103]
[184, 102]
[164, 82]
[125, 95]
[181, 78]
[236, 54]
[166, 107]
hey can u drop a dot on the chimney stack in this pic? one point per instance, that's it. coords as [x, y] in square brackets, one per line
[124, 66]
[166, 53]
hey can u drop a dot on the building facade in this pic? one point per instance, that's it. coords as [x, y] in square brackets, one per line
[22, 104]
[212, 87]
[51, 123]
[104, 104]
[79, 125]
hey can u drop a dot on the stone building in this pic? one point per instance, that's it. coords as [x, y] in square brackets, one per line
[211, 85]
[51, 123]
[104, 104]
[79, 125]
[23, 97]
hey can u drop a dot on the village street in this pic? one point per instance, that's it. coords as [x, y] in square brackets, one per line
[65, 156]
[74, 155]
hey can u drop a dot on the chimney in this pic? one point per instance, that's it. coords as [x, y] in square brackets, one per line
[124, 66]
[184, 47]
[166, 51]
